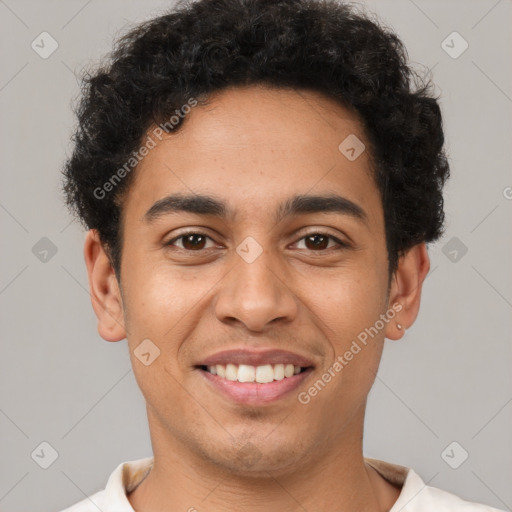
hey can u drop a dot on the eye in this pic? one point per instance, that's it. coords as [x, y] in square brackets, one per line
[191, 241]
[319, 241]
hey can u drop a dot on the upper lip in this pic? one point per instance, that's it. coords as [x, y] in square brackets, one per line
[256, 358]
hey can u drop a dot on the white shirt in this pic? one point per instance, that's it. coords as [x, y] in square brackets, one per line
[415, 496]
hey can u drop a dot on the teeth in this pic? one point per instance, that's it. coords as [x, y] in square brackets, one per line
[247, 373]
[231, 372]
[265, 373]
[279, 371]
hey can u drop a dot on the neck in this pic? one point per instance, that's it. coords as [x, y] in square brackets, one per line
[335, 478]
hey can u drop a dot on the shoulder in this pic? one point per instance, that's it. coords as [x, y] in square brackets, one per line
[124, 479]
[416, 496]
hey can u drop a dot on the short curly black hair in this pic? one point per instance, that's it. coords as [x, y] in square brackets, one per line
[208, 45]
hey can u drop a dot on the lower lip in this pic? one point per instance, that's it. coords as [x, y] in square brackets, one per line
[253, 393]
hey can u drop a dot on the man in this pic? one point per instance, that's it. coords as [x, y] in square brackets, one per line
[259, 180]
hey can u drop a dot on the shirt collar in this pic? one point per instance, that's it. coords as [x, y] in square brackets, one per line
[124, 479]
[128, 475]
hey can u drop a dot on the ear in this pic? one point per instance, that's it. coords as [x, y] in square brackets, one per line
[104, 289]
[405, 289]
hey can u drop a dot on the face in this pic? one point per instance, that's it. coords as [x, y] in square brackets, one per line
[256, 277]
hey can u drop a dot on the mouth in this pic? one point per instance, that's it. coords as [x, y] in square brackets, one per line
[255, 378]
[262, 374]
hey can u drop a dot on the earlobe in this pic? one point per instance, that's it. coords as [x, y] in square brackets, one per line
[104, 289]
[406, 286]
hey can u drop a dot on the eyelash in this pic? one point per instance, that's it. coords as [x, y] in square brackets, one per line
[342, 245]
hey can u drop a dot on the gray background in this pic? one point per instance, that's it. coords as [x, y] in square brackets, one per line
[448, 379]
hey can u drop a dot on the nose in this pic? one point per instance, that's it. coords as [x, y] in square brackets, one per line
[256, 294]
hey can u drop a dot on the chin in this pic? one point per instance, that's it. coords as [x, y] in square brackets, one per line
[257, 458]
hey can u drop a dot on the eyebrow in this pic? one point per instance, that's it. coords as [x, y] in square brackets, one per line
[295, 205]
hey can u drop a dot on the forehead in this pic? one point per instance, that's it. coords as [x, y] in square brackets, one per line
[255, 147]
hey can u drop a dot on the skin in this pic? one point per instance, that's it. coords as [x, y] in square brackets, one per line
[254, 147]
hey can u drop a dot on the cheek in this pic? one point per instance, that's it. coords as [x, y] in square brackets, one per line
[160, 307]
[165, 305]
[347, 302]
[348, 307]
[159, 297]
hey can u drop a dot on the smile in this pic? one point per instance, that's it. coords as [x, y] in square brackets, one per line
[254, 385]
[247, 373]
[248, 376]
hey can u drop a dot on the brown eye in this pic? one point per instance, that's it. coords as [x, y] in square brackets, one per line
[193, 241]
[315, 242]
[320, 241]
